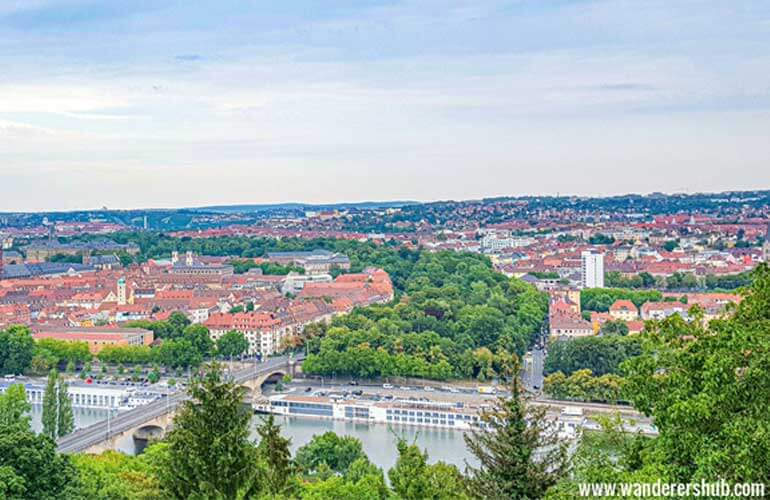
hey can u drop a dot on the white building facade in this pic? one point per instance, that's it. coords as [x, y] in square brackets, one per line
[592, 270]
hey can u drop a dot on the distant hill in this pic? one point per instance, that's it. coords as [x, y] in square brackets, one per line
[305, 206]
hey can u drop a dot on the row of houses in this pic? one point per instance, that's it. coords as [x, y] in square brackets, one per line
[566, 319]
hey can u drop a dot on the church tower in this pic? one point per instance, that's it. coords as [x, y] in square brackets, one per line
[122, 292]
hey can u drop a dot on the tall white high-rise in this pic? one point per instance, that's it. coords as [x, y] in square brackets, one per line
[592, 270]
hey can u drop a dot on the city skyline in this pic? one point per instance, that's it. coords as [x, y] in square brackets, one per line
[155, 104]
[246, 206]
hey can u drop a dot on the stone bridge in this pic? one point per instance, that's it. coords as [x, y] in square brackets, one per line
[152, 421]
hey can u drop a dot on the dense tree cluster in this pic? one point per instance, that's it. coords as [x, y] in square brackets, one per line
[182, 345]
[172, 328]
[708, 387]
[16, 350]
[599, 354]
[601, 239]
[55, 354]
[614, 328]
[677, 281]
[231, 344]
[582, 385]
[600, 299]
[241, 266]
[30, 467]
[616, 279]
[337, 453]
[456, 313]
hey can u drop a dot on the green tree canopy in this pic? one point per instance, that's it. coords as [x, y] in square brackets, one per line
[209, 451]
[506, 450]
[412, 478]
[338, 452]
[232, 343]
[16, 350]
[707, 387]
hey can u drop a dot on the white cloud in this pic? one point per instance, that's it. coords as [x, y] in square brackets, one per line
[417, 99]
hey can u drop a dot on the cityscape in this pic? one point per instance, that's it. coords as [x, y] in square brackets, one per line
[394, 250]
[408, 324]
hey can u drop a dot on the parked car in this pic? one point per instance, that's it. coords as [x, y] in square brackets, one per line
[387, 386]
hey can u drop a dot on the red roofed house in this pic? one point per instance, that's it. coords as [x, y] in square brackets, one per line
[263, 330]
[563, 326]
[625, 310]
[661, 310]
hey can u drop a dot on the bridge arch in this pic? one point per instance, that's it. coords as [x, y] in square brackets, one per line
[146, 434]
[272, 378]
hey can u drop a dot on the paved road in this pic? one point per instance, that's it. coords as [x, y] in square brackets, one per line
[86, 437]
[532, 373]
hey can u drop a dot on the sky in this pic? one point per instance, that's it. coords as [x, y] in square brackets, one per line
[168, 103]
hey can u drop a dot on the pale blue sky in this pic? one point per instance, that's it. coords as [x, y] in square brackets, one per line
[186, 103]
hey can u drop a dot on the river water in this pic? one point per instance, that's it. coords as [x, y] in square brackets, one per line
[378, 440]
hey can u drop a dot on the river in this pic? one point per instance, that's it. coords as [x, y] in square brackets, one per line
[378, 440]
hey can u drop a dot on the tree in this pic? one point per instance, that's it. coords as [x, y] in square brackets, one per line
[14, 407]
[707, 387]
[177, 322]
[16, 350]
[505, 451]
[413, 479]
[113, 475]
[617, 328]
[50, 418]
[338, 452]
[232, 343]
[11, 484]
[457, 304]
[57, 416]
[278, 472]
[65, 419]
[29, 464]
[30, 467]
[648, 280]
[582, 385]
[601, 355]
[605, 457]
[198, 336]
[601, 239]
[179, 353]
[370, 487]
[209, 451]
